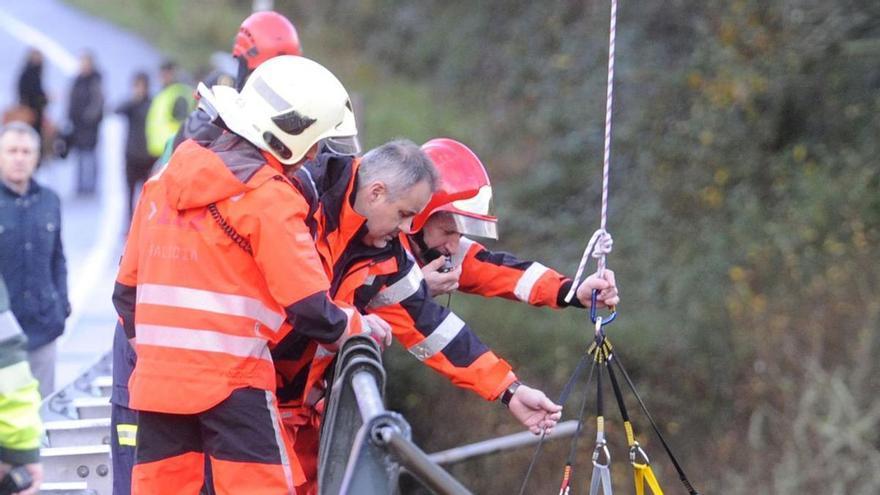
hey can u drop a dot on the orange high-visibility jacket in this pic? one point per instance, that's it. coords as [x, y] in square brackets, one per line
[218, 263]
[500, 274]
[385, 281]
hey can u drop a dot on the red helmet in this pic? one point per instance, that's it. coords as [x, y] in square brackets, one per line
[264, 35]
[464, 190]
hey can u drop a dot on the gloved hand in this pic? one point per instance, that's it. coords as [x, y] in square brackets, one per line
[439, 282]
[607, 287]
[534, 410]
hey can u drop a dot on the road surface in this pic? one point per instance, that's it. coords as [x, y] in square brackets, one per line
[93, 228]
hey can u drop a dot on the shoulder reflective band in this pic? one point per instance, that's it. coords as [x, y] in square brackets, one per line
[448, 329]
[14, 377]
[127, 434]
[527, 281]
[400, 290]
[644, 473]
[205, 300]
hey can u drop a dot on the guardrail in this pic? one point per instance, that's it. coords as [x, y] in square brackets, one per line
[363, 445]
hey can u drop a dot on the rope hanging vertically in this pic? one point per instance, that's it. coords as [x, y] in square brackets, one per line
[601, 242]
[599, 246]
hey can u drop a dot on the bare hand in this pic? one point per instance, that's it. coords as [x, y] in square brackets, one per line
[378, 329]
[607, 287]
[438, 282]
[534, 410]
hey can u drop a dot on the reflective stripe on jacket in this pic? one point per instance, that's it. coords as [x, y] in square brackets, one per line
[207, 296]
[385, 281]
[499, 274]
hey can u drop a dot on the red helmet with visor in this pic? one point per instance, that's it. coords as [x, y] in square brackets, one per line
[464, 191]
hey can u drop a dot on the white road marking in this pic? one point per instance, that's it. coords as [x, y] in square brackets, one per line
[56, 53]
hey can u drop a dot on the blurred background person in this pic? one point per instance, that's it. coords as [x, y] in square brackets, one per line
[85, 113]
[138, 161]
[30, 89]
[170, 107]
[31, 255]
[20, 425]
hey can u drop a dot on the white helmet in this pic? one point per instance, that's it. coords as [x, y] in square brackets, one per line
[287, 105]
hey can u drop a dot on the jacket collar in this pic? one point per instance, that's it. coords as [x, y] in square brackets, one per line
[33, 189]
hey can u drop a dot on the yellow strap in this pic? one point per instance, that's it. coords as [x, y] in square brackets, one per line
[630, 437]
[600, 423]
[127, 434]
[643, 472]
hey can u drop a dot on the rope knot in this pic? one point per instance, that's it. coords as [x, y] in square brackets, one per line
[603, 245]
[600, 245]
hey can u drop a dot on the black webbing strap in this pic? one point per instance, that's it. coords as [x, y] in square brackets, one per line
[683, 477]
[616, 387]
[563, 398]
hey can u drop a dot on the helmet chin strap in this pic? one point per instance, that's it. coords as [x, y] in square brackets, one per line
[243, 73]
[424, 254]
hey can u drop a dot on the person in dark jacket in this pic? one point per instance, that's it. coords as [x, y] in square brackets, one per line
[138, 161]
[85, 113]
[31, 255]
[30, 88]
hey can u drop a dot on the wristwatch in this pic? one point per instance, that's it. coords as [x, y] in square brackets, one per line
[508, 394]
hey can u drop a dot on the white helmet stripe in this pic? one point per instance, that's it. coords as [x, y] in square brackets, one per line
[268, 94]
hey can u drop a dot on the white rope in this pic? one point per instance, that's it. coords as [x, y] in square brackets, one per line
[601, 243]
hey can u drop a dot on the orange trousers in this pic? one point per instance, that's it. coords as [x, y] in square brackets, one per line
[243, 436]
[303, 425]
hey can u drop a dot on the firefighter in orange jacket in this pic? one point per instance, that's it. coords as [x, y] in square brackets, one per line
[218, 263]
[452, 261]
[361, 208]
[261, 36]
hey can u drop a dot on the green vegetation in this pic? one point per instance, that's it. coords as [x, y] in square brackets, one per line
[744, 208]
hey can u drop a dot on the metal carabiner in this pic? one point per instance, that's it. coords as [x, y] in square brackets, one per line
[594, 312]
[636, 450]
[601, 448]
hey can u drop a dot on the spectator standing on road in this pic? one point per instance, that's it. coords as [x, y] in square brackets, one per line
[20, 426]
[138, 161]
[30, 89]
[85, 113]
[31, 255]
[170, 107]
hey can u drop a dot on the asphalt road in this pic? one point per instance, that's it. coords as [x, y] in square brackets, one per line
[93, 228]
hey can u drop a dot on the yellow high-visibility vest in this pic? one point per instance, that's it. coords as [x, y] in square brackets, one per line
[161, 125]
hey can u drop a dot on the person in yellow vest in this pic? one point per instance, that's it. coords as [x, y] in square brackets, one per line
[20, 426]
[169, 109]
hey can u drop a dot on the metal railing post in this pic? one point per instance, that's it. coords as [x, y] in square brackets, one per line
[362, 442]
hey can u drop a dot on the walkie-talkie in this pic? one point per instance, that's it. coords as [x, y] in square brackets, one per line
[432, 254]
[17, 480]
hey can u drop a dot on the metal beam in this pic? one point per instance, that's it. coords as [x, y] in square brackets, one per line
[507, 442]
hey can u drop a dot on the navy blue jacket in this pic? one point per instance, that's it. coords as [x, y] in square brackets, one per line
[32, 261]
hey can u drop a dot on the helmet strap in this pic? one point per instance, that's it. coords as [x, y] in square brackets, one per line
[425, 254]
[243, 73]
